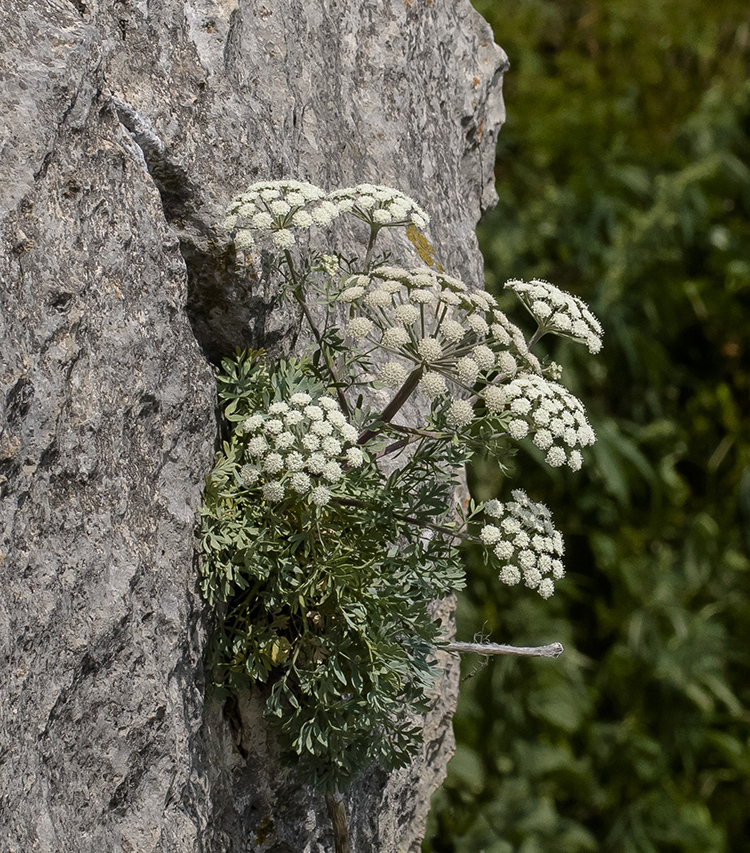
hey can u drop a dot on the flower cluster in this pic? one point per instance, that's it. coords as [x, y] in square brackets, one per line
[420, 317]
[559, 312]
[299, 446]
[522, 537]
[275, 208]
[549, 413]
[379, 206]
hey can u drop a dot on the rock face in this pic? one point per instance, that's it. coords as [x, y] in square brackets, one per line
[126, 125]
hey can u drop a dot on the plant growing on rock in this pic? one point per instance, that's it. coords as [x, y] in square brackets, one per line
[329, 520]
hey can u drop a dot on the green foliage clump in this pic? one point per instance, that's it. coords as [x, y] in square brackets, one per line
[623, 176]
[320, 601]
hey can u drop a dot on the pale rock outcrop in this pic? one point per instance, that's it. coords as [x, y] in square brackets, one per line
[126, 126]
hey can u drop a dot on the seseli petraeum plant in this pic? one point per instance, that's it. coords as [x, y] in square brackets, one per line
[329, 521]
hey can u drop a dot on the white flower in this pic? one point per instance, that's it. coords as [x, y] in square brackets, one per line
[280, 208]
[249, 475]
[293, 418]
[575, 460]
[273, 426]
[262, 220]
[422, 297]
[273, 491]
[310, 441]
[395, 336]
[273, 463]
[244, 240]
[378, 298]
[518, 429]
[555, 457]
[527, 559]
[329, 404]
[478, 324]
[429, 349]
[253, 423]
[393, 374]
[328, 263]
[406, 314]
[349, 433]
[314, 413]
[284, 441]
[229, 222]
[494, 398]
[283, 238]
[453, 331]
[269, 194]
[543, 439]
[503, 550]
[381, 216]
[432, 385]
[506, 362]
[354, 457]
[468, 370]
[331, 447]
[322, 428]
[546, 588]
[336, 419]
[302, 219]
[490, 534]
[500, 334]
[320, 496]
[316, 463]
[494, 509]
[483, 356]
[510, 575]
[300, 482]
[521, 406]
[460, 414]
[257, 446]
[351, 294]
[558, 570]
[359, 328]
[332, 472]
[294, 462]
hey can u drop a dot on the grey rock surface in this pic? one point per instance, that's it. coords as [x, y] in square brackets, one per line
[125, 127]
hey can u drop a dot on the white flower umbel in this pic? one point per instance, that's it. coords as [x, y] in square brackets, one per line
[548, 412]
[559, 312]
[379, 206]
[277, 209]
[522, 537]
[313, 443]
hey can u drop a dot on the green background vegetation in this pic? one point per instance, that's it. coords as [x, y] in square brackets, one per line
[623, 177]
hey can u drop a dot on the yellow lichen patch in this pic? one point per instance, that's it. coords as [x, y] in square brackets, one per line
[424, 248]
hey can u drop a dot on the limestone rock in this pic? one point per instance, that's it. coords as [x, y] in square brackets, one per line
[126, 126]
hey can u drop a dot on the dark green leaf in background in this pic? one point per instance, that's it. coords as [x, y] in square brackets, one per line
[624, 177]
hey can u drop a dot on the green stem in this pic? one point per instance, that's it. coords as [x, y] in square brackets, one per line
[299, 296]
[371, 245]
[537, 334]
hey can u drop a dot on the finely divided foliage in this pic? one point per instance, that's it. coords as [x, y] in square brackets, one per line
[324, 564]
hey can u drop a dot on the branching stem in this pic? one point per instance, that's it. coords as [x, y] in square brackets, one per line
[390, 411]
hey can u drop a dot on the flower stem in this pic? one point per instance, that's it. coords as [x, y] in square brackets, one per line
[299, 296]
[390, 411]
[371, 245]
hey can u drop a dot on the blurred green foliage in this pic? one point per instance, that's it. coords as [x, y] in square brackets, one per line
[623, 174]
